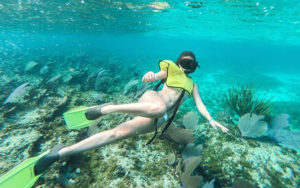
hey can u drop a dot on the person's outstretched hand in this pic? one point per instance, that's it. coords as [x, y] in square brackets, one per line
[216, 124]
[149, 77]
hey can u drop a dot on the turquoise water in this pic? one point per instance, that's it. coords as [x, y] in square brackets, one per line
[236, 43]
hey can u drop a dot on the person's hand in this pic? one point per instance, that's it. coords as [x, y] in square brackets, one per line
[216, 124]
[149, 77]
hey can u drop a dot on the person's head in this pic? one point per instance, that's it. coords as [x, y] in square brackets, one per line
[187, 61]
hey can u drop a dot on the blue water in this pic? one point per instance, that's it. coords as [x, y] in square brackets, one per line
[243, 55]
[235, 42]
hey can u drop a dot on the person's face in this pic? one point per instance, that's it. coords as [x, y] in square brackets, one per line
[185, 59]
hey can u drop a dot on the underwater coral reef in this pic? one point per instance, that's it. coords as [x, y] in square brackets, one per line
[38, 90]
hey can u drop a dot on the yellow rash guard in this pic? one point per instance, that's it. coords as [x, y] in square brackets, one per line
[176, 77]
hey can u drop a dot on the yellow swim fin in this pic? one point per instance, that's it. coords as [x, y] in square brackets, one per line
[75, 118]
[22, 176]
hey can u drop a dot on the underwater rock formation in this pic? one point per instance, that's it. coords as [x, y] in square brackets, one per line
[229, 156]
[15, 146]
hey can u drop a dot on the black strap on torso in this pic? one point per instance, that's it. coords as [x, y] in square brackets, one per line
[176, 106]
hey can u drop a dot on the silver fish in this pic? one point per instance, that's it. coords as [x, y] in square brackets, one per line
[44, 70]
[18, 92]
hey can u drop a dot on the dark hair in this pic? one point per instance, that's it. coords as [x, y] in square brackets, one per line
[188, 53]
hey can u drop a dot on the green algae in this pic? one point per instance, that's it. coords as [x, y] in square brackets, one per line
[227, 152]
[275, 179]
[151, 170]
[246, 164]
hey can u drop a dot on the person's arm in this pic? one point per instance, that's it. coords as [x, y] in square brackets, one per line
[203, 111]
[153, 77]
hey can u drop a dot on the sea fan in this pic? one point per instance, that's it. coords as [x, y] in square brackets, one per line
[190, 120]
[280, 121]
[252, 125]
[192, 150]
[179, 135]
[288, 139]
[190, 164]
[284, 137]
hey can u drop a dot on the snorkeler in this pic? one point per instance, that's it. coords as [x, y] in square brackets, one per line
[153, 109]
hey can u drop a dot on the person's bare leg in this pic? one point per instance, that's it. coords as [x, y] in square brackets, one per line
[145, 109]
[136, 126]
[150, 105]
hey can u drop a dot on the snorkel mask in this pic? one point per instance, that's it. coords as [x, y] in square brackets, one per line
[189, 65]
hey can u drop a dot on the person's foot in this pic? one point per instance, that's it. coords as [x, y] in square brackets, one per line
[47, 160]
[95, 112]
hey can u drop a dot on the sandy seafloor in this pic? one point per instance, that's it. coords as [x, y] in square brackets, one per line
[34, 124]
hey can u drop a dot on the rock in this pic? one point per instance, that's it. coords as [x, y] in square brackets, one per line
[58, 108]
[15, 145]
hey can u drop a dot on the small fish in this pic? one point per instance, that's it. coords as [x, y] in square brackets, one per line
[71, 69]
[12, 44]
[44, 70]
[53, 79]
[101, 71]
[18, 92]
[30, 65]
